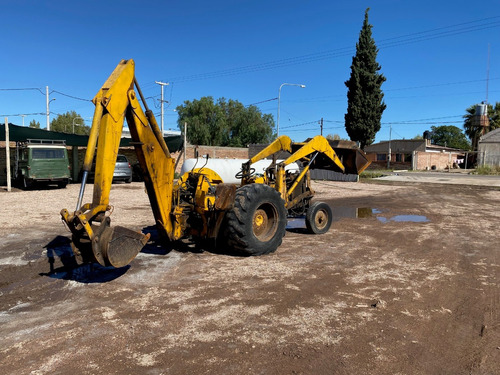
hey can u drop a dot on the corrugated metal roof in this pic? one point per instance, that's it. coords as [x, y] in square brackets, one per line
[491, 137]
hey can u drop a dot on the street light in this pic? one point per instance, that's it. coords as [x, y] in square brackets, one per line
[279, 96]
[78, 117]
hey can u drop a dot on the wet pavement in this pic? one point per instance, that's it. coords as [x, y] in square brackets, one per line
[455, 178]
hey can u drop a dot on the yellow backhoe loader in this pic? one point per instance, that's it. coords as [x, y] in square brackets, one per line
[248, 219]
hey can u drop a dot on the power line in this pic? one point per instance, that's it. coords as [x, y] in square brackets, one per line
[24, 89]
[297, 125]
[263, 101]
[426, 121]
[451, 30]
[423, 119]
[24, 114]
[70, 96]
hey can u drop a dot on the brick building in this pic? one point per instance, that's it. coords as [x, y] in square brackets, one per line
[415, 154]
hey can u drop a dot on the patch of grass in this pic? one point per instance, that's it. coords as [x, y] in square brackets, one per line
[372, 174]
[488, 170]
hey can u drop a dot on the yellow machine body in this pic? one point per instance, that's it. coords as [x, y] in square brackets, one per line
[251, 216]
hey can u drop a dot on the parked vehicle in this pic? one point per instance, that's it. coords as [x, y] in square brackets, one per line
[123, 169]
[122, 172]
[42, 161]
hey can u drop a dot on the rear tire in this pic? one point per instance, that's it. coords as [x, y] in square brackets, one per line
[318, 218]
[256, 224]
[128, 180]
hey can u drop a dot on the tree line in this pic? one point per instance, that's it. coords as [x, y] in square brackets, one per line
[224, 123]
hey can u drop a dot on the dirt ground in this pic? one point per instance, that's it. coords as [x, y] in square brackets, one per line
[405, 282]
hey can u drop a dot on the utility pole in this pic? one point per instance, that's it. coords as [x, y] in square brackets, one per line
[321, 125]
[185, 140]
[162, 84]
[47, 98]
[23, 116]
[7, 153]
[389, 155]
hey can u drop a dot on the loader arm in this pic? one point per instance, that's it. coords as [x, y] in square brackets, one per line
[316, 146]
[93, 238]
[276, 175]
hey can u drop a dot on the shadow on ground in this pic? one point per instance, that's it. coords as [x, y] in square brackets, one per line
[60, 248]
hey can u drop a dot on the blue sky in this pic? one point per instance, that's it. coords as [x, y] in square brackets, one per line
[434, 55]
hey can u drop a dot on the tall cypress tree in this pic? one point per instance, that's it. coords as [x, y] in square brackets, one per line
[365, 103]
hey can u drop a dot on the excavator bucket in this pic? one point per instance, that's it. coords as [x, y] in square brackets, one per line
[117, 246]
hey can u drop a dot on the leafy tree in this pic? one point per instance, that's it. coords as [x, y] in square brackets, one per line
[335, 137]
[34, 124]
[206, 121]
[449, 136]
[68, 121]
[473, 131]
[224, 123]
[365, 103]
[246, 124]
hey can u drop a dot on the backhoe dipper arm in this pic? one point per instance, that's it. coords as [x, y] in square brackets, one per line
[114, 102]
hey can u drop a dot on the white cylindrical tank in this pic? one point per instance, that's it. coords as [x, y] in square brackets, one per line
[227, 168]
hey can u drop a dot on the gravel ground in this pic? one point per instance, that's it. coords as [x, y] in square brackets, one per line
[405, 282]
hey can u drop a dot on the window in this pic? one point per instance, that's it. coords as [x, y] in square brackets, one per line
[381, 157]
[47, 153]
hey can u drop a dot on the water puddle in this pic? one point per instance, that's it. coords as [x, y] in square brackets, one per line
[344, 212]
[296, 223]
[341, 212]
[405, 219]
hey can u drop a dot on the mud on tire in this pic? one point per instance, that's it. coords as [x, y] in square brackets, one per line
[256, 224]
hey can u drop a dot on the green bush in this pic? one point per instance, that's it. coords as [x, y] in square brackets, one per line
[488, 170]
[371, 174]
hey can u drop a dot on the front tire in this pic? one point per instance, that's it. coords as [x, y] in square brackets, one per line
[27, 184]
[318, 218]
[256, 223]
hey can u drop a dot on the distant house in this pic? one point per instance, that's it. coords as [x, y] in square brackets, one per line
[415, 154]
[489, 148]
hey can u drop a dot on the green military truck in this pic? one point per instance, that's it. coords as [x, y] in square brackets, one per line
[42, 161]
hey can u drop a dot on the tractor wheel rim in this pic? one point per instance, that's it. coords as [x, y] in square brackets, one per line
[265, 222]
[321, 219]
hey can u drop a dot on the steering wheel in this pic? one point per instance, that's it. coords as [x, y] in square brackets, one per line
[242, 174]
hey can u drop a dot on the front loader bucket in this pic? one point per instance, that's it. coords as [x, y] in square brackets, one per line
[117, 246]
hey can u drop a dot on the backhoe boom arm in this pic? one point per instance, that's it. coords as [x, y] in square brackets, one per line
[116, 101]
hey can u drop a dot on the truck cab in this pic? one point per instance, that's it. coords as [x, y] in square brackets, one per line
[42, 161]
